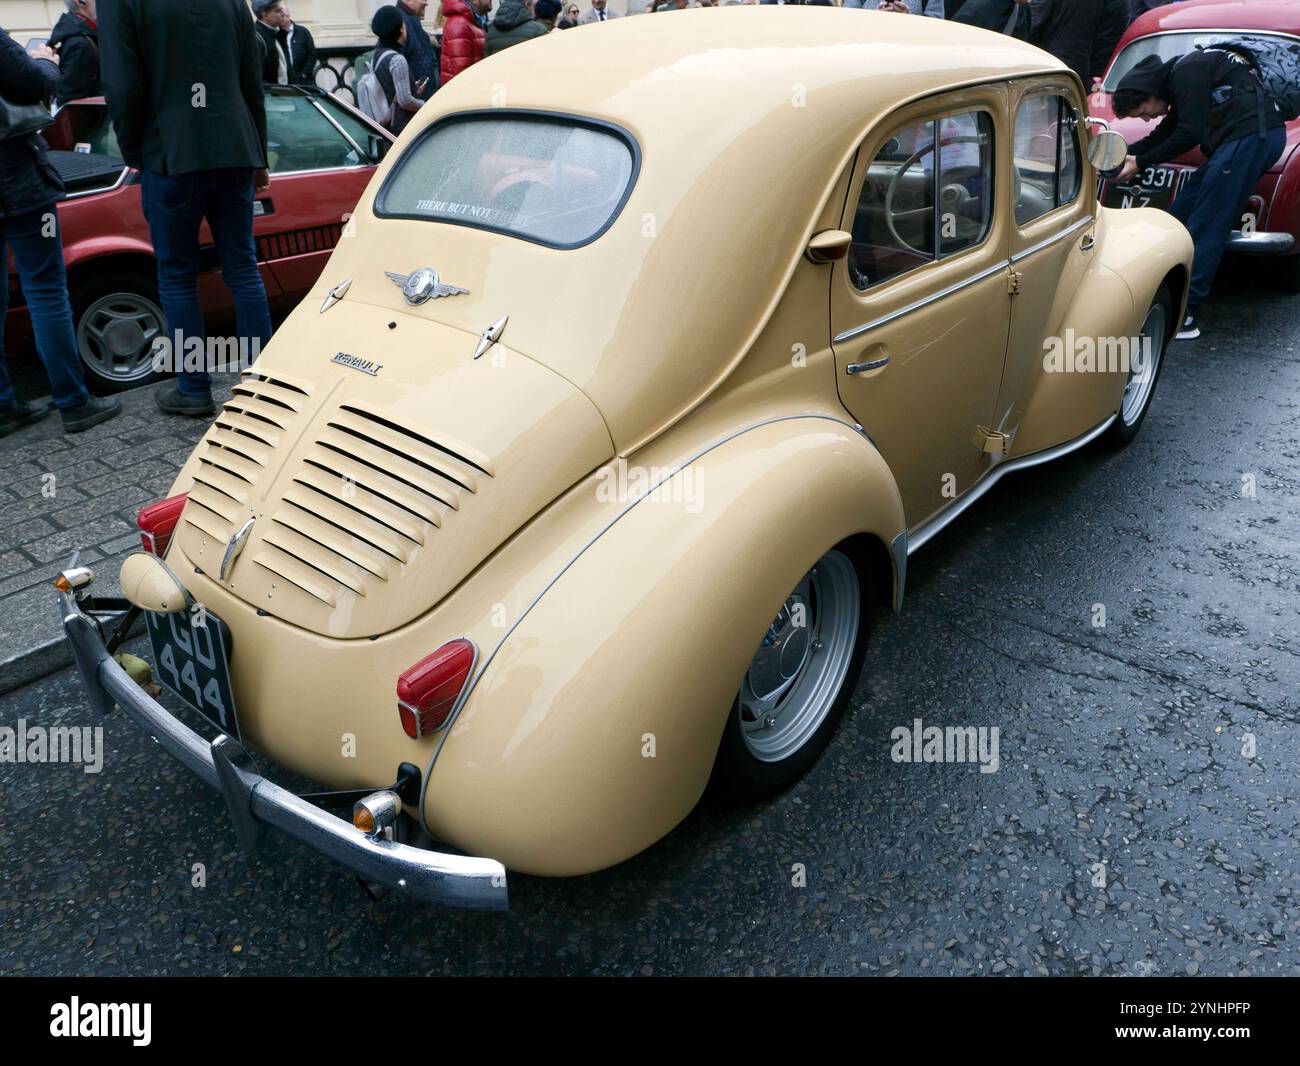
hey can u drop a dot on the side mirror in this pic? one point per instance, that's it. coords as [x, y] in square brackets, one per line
[1107, 151]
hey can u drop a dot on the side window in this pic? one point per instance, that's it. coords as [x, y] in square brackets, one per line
[915, 208]
[1046, 149]
[298, 137]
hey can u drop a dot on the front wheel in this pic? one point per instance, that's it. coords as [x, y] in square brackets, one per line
[799, 682]
[1144, 371]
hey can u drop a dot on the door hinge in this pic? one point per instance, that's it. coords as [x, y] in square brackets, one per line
[992, 441]
[1013, 280]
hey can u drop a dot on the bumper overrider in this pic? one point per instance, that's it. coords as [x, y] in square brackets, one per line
[253, 801]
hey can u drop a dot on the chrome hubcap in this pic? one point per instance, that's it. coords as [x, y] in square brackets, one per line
[1142, 370]
[802, 662]
[116, 333]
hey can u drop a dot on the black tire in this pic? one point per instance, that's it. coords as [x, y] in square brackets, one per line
[1125, 427]
[1289, 275]
[738, 774]
[97, 299]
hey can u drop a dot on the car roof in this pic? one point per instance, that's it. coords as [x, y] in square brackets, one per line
[1280, 15]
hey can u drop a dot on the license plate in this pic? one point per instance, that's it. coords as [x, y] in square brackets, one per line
[1152, 187]
[190, 650]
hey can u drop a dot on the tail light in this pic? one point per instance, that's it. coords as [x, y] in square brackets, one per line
[158, 520]
[428, 691]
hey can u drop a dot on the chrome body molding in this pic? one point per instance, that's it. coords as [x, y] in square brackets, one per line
[255, 802]
[491, 335]
[920, 536]
[957, 286]
[1261, 243]
[335, 294]
[898, 549]
[1087, 220]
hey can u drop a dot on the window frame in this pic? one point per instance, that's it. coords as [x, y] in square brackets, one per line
[529, 115]
[933, 120]
[1076, 120]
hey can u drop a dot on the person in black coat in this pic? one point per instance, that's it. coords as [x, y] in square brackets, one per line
[1067, 29]
[184, 88]
[29, 227]
[300, 47]
[272, 19]
[76, 38]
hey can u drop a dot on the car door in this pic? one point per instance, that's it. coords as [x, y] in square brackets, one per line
[920, 305]
[1052, 235]
[321, 162]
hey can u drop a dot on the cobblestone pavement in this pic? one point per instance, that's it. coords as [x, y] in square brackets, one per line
[1127, 831]
[61, 492]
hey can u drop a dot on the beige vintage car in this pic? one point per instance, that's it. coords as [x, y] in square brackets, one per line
[576, 481]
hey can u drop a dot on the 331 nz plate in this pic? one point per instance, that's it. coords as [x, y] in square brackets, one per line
[192, 655]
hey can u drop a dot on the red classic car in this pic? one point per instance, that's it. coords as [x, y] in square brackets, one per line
[1270, 219]
[322, 154]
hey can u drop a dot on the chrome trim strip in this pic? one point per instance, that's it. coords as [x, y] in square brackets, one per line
[456, 880]
[468, 690]
[919, 537]
[857, 331]
[1087, 220]
[121, 180]
[898, 549]
[361, 152]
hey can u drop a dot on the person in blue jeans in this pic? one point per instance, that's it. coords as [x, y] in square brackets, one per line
[184, 89]
[1209, 98]
[29, 227]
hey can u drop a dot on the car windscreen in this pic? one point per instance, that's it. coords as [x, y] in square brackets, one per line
[1170, 45]
[555, 180]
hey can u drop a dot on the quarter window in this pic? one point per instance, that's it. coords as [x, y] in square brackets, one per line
[915, 208]
[1047, 156]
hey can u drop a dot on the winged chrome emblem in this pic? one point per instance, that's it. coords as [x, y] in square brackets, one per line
[423, 284]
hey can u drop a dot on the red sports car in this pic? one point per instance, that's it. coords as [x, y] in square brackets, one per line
[322, 154]
[1270, 219]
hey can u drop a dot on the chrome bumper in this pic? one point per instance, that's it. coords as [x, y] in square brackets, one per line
[1261, 243]
[253, 801]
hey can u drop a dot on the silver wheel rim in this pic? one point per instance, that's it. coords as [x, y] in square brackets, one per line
[799, 669]
[115, 335]
[1142, 371]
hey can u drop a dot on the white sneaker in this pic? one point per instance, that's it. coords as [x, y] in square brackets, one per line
[1191, 329]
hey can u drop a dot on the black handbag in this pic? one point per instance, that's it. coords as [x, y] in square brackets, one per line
[19, 120]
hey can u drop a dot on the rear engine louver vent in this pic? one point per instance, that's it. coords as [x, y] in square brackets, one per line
[237, 449]
[367, 494]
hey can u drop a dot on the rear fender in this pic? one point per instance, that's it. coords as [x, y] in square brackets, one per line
[590, 729]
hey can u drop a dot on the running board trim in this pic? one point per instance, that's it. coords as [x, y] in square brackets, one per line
[916, 539]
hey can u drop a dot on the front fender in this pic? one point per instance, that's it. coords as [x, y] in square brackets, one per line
[590, 730]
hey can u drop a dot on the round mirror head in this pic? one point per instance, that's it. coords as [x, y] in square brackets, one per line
[1107, 151]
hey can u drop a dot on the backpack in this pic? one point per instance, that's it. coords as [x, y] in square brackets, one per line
[1277, 66]
[371, 98]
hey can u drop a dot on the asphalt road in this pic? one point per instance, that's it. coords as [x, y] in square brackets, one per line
[1120, 746]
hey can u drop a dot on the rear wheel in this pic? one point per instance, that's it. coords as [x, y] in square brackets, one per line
[117, 318]
[1144, 371]
[799, 682]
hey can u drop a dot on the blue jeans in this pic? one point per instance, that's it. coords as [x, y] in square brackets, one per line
[38, 253]
[1209, 201]
[175, 205]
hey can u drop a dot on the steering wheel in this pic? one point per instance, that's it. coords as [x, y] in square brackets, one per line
[951, 195]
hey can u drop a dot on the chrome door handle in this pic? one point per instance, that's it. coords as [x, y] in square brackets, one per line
[862, 368]
[1089, 240]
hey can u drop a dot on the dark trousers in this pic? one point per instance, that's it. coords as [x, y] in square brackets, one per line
[175, 205]
[38, 254]
[1209, 201]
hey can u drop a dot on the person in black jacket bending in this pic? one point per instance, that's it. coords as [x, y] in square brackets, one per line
[29, 227]
[184, 87]
[1208, 98]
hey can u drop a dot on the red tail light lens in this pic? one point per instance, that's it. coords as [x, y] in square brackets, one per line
[428, 691]
[158, 520]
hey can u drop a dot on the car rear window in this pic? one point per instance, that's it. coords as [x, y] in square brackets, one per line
[555, 180]
[1172, 44]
